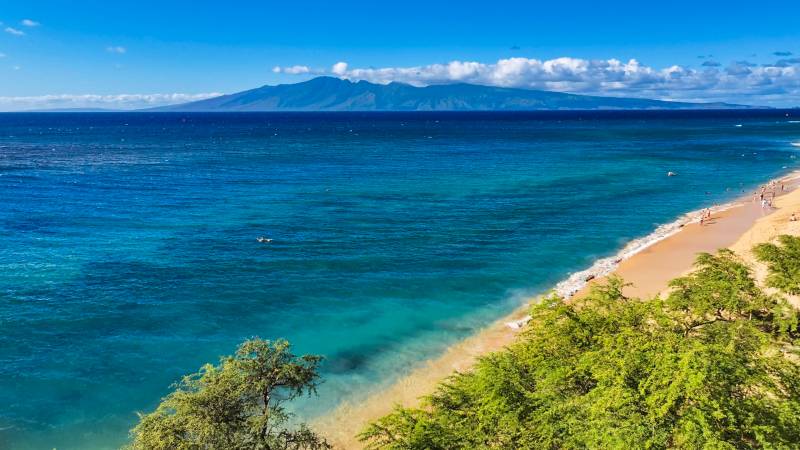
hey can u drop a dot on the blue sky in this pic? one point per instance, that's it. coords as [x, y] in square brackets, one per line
[94, 52]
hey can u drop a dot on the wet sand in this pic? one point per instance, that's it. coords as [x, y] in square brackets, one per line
[739, 227]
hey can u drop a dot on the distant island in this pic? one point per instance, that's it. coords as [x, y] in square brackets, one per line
[335, 94]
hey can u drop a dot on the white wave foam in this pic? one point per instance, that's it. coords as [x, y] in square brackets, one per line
[605, 266]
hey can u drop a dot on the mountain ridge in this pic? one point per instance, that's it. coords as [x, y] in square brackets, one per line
[334, 94]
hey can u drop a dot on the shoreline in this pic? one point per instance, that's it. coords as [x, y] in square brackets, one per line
[648, 262]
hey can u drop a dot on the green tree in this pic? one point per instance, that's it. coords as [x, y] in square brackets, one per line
[783, 262]
[238, 404]
[705, 368]
[722, 288]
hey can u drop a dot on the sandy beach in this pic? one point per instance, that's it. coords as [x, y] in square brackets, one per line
[739, 226]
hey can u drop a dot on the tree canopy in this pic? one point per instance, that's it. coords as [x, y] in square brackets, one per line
[784, 263]
[713, 366]
[238, 404]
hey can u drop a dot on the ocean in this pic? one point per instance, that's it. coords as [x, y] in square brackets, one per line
[129, 252]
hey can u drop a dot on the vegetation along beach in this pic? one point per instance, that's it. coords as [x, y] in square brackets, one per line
[369, 225]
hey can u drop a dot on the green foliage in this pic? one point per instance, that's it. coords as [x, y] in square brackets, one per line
[723, 289]
[783, 262]
[710, 367]
[235, 405]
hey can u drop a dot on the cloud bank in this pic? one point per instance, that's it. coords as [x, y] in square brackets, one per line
[775, 84]
[118, 101]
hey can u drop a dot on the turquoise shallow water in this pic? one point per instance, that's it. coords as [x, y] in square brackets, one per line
[128, 252]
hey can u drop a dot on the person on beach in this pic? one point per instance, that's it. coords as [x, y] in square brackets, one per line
[705, 215]
[793, 217]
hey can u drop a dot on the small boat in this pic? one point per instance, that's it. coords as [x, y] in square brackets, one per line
[671, 174]
[264, 240]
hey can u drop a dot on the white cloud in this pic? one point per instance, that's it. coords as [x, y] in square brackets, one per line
[14, 31]
[776, 84]
[118, 101]
[292, 70]
[340, 68]
[117, 49]
[30, 23]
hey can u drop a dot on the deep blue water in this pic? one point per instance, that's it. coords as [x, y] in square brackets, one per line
[128, 252]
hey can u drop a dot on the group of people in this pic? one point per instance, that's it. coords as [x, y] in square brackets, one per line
[705, 216]
[768, 192]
